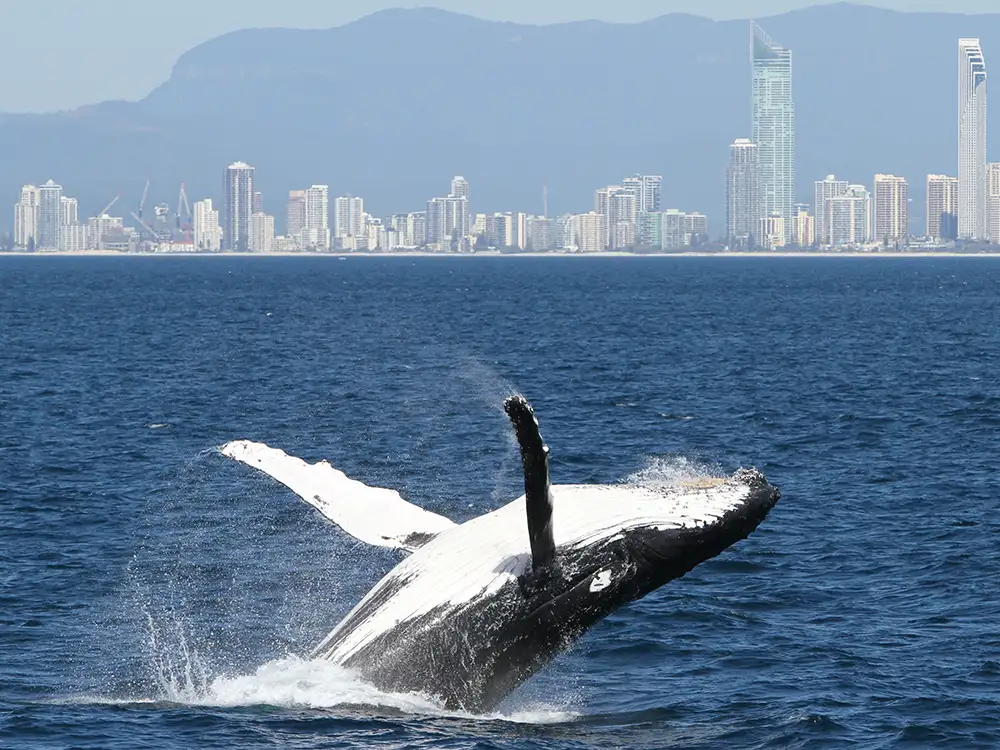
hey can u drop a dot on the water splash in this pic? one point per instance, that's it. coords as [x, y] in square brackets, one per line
[670, 471]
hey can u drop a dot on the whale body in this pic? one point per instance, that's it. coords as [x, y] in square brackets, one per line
[476, 608]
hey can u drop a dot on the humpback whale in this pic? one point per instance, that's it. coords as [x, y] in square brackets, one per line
[476, 608]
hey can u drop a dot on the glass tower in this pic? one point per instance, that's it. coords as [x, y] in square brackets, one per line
[972, 221]
[773, 124]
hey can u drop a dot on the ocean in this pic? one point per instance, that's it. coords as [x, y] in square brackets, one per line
[155, 594]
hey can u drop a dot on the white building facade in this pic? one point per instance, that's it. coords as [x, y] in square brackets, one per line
[972, 186]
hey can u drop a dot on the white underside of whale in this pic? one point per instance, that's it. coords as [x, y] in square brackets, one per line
[476, 559]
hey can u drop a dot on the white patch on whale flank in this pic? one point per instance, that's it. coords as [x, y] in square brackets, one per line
[601, 581]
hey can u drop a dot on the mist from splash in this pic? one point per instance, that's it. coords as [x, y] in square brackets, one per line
[672, 470]
[183, 677]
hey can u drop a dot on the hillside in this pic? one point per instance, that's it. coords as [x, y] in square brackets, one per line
[389, 107]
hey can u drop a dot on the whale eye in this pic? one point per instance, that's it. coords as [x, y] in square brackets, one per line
[601, 581]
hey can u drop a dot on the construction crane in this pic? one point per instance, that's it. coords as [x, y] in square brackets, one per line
[183, 229]
[144, 225]
[100, 227]
[145, 192]
[108, 207]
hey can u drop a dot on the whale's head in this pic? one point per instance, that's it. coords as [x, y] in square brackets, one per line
[617, 543]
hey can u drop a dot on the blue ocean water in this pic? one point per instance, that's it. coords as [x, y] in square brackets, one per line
[153, 594]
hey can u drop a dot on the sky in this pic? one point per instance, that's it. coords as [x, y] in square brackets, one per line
[61, 54]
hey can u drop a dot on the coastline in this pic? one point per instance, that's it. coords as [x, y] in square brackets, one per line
[489, 254]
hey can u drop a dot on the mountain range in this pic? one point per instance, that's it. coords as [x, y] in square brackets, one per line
[391, 106]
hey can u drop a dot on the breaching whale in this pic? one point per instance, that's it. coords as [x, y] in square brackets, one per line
[479, 607]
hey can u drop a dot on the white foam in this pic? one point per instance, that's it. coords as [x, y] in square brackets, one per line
[296, 683]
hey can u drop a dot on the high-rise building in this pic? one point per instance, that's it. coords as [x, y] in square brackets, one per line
[891, 210]
[971, 140]
[258, 202]
[26, 218]
[942, 207]
[803, 227]
[695, 228]
[619, 205]
[316, 232]
[409, 229]
[773, 123]
[672, 229]
[743, 206]
[647, 189]
[262, 233]
[460, 191]
[69, 212]
[49, 216]
[772, 232]
[623, 217]
[588, 232]
[850, 217]
[541, 233]
[459, 187]
[993, 202]
[207, 232]
[295, 214]
[237, 205]
[73, 238]
[827, 188]
[650, 232]
[348, 218]
[448, 221]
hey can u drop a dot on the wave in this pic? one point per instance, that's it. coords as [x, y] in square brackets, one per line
[296, 683]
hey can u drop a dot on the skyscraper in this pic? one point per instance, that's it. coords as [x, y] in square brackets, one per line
[623, 217]
[942, 207]
[348, 218]
[891, 209]
[316, 232]
[49, 216]
[69, 212]
[237, 206]
[26, 217]
[803, 227]
[850, 217]
[773, 122]
[619, 205]
[261, 232]
[207, 232]
[827, 188]
[587, 232]
[743, 207]
[971, 140]
[993, 202]
[459, 187]
[772, 232]
[647, 189]
[295, 214]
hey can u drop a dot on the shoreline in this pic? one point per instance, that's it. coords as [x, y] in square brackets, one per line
[488, 254]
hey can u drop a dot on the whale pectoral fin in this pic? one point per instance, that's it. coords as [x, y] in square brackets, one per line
[375, 515]
[537, 494]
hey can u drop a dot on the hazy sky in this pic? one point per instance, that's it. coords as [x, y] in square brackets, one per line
[64, 53]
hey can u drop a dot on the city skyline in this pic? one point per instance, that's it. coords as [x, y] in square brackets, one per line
[759, 186]
[400, 167]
